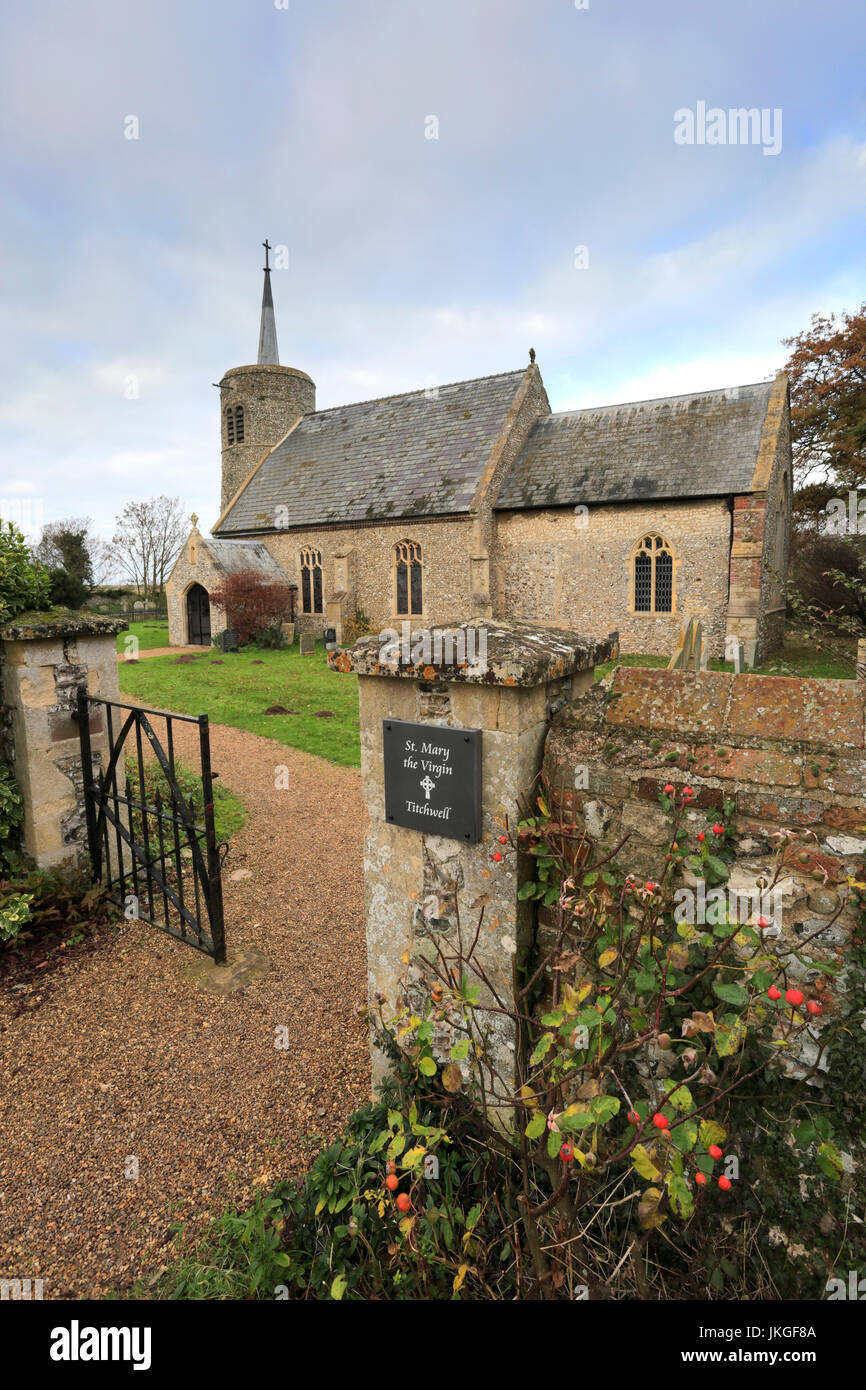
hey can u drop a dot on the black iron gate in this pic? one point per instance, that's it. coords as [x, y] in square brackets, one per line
[150, 843]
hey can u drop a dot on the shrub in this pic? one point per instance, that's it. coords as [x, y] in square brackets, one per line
[252, 603]
[24, 583]
[828, 579]
[648, 1068]
[11, 817]
[66, 590]
[47, 899]
[359, 625]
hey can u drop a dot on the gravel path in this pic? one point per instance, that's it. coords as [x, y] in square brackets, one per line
[126, 1057]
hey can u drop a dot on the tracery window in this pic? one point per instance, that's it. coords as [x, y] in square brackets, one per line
[408, 579]
[653, 575]
[311, 581]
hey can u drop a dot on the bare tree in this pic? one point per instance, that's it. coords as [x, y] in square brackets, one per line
[147, 541]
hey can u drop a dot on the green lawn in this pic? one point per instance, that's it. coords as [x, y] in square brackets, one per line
[828, 659]
[229, 811]
[149, 634]
[237, 687]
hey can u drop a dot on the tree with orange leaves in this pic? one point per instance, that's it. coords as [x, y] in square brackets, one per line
[827, 370]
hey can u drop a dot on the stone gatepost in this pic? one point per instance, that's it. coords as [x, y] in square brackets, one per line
[42, 664]
[420, 701]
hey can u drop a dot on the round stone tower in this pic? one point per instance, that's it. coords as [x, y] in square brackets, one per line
[259, 404]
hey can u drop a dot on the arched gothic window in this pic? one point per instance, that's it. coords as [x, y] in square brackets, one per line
[408, 579]
[311, 581]
[653, 575]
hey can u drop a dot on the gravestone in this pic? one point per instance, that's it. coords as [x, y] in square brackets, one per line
[689, 654]
[229, 639]
[739, 658]
[308, 644]
[288, 631]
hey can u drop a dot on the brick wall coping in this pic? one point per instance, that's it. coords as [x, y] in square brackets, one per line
[34, 627]
[723, 707]
[517, 654]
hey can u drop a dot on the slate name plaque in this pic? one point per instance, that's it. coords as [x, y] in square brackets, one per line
[433, 779]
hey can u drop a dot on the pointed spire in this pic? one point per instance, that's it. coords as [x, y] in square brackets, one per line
[268, 351]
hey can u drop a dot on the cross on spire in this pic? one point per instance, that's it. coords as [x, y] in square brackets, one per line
[268, 351]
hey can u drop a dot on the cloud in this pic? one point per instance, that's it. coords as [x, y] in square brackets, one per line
[411, 260]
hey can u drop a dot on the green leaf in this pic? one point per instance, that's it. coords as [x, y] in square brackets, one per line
[572, 1123]
[732, 994]
[604, 1107]
[829, 1161]
[644, 1164]
[427, 1066]
[554, 1143]
[681, 1098]
[338, 1288]
[460, 1050]
[472, 1217]
[644, 982]
[684, 1136]
[542, 1048]
[730, 1035]
[536, 1127]
[682, 1198]
[712, 1133]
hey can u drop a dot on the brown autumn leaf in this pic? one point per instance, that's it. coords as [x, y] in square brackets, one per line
[648, 1213]
[452, 1077]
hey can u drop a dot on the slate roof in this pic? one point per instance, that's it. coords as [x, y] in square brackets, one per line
[233, 556]
[700, 445]
[399, 456]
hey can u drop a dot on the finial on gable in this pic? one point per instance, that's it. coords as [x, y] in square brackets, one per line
[194, 520]
[531, 355]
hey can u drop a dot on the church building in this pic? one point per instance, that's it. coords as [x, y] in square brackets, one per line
[476, 500]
